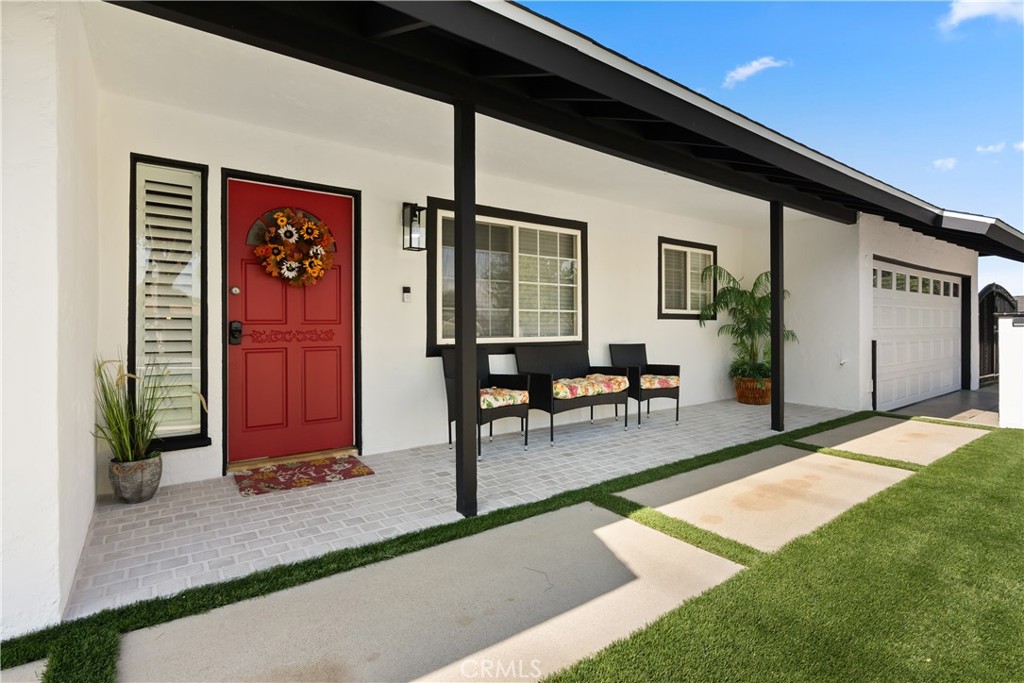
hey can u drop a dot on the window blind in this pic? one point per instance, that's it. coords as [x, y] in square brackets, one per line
[168, 290]
[534, 296]
[700, 291]
[674, 280]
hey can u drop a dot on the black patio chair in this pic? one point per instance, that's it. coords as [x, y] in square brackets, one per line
[486, 381]
[640, 372]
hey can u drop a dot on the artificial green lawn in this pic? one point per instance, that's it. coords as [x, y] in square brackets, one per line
[923, 582]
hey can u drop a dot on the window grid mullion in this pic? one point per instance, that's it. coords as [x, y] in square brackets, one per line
[515, 282]
[686, 280]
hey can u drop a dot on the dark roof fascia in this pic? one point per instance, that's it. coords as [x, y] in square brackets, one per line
[840, 194]
[255, 24]
[479, 24]
[1004, 240]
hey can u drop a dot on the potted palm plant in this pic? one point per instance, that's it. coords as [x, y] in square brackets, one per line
[128, 406]
[750, 313]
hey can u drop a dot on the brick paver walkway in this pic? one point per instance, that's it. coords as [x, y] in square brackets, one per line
[199, 533]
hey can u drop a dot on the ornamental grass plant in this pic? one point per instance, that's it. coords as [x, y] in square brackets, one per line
[128, 406]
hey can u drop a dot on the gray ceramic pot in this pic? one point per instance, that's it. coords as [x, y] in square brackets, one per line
[136, 482]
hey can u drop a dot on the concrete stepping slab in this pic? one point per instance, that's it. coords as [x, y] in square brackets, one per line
[769, 497]
[26, 673]
[514, 603]
[918, 442]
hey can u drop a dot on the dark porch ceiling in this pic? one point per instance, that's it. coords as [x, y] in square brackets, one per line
[461, 51]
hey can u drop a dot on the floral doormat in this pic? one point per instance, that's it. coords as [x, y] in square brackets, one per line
[293, 475]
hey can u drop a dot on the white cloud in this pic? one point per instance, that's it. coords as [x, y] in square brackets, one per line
[947, 164]
[991, 149]
[1019, 146]
[742, 73]
[965, 10]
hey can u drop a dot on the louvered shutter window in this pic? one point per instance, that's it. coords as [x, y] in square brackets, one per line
[168, 290]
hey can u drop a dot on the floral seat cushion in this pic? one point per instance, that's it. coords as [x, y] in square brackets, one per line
[591, 385]
[496, 397]
[609, 384]
[659, 381]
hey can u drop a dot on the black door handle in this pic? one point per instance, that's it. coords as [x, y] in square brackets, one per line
[235, 332]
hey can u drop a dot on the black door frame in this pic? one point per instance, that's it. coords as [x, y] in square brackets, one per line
[357, 365]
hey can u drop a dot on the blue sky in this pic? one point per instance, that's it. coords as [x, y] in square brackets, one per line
[926, 96]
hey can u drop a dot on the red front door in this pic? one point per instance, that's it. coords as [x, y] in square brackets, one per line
[290, 387]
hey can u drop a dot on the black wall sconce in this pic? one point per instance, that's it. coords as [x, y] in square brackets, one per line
[414, 233]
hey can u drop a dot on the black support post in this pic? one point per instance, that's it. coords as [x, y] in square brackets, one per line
[465, 308]
[778, 320]
[966, 324]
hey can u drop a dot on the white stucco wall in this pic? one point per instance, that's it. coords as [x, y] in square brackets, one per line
[78, 296]
[31, 586]
[48, 309]
[822, 277]
[622, 265]
[881, 238]
[1011, 373]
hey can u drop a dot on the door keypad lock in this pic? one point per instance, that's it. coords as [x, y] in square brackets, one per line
[235, 332]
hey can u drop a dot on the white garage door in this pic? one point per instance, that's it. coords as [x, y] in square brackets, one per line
[917, 327]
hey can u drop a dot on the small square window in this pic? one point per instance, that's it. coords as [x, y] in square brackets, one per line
[874, 278]
[937, 287]
[926, 286]
[901, 282]
[915, 283]
[886, 279]
[945, 288]
[682, 289]
[956, 289]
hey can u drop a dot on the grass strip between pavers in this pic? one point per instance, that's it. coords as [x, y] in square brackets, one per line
[38, 644]
[920, 583]
[84, 656]
[735, 551]
[937, 421]
[850, 455]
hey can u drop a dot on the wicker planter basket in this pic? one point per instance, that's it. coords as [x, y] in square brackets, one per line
[136, 482]
[752, 391]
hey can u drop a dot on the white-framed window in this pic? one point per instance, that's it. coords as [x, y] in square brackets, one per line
[168, 277]
[529, 284]
[682, 292]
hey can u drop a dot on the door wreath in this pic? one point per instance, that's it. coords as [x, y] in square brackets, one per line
[293, 245]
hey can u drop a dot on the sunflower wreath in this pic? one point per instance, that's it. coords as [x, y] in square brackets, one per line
[296, 247]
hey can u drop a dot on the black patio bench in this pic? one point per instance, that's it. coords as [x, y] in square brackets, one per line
[562, 378]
